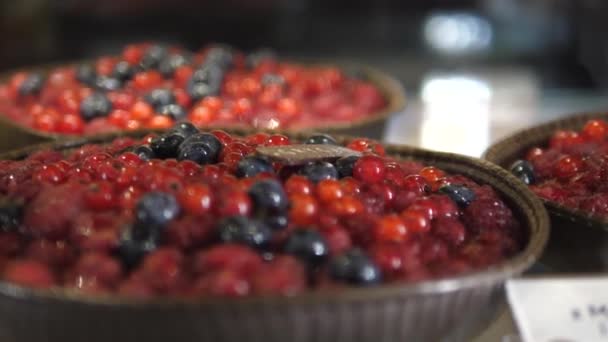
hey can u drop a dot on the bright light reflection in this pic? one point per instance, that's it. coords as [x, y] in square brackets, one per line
[456, 114]
[458, 33]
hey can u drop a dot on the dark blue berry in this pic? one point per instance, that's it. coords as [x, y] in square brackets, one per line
[318, 171]
[277, 222]
[251, 166]
[105, 83]
[10, 214]
[460, 194]
[132, 249]
[355, 268]
[221, 56]
[166, 146]
[215, 145]
[153, 56]
[199, 153]
[268, 197]
[156, 209]
[254, 58]
[185, 129]
[320, 139]
[268, 79]
[95, 105]
[523, 170]
[307, 245]
[123, 71]
[211, 74]
[175, 111]
[160, 97]
[345, 165]
[31, 85]
[144, 152]
[168, 65]
[86, 74]
[244, 230]
[200, 90]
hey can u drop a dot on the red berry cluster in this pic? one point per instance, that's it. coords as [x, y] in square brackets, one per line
[216, 86]
[87, 220]
[573, 169]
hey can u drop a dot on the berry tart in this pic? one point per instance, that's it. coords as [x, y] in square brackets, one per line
[565, 163]
[151, 86]
[308, 230]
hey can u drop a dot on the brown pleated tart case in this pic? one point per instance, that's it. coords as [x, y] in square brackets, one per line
[370, 125]
[578, 240]
[455, 307]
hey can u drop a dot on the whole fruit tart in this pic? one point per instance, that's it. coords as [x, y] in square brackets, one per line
[192, 213]
[154, 86]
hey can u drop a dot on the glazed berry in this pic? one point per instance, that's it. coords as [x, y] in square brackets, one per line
[168, 65]
[221, 56]
[199, 90]
[244, 230]
[96, 105]
[86, 74]
[354, 268]
[277, 222]
[460, 194]
[10, 215]
[153, 57]
[106, 83]
[369, 169]
[345, 165]
[156, 209]
[123, 71]
[199, 153]
[318, 171]
[29, 273]
[307, 245]
[268, 196]
[206, 138]
[144, 152]
[251, 166]
[160, 97]
[166, 146]
[134, 246]
[524, 171]
[31, 85]
[321, 139]
[254, 58]
[187, 129]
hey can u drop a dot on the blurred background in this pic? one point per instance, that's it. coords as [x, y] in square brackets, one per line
[485, 67]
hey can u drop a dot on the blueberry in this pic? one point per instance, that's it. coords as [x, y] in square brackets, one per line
[255, 57]
[123, 71]
[355, 268]
[268, 79]
[199, 153]
[175, 111]
[167, 145]
[95, 105]
[307, 245]
[185, 129]
[160, 97]
[345, 165]
[156, 209]
[220, 55]
[251, 166]
[86, 74]
[200, 90]
[460, 194]
[523, 170]
[277, 222]
[144, 152]
[132, 249]
[320, 139]
[168, 65]
[210, 74]
[10, 215]
[31, 85]
[206, 138]
[318, 171]
[153, 56]
[105, 83]
[244, 230]
[268, 197]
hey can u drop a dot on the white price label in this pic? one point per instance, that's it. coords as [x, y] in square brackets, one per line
[560, 309]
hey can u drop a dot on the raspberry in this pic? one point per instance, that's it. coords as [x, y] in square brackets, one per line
[487, 213]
